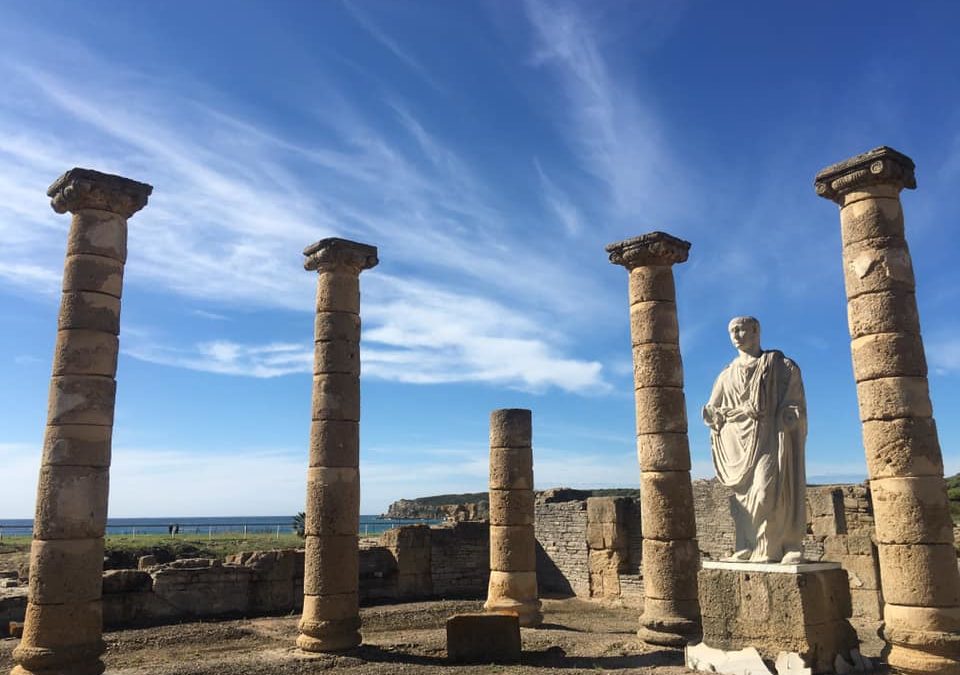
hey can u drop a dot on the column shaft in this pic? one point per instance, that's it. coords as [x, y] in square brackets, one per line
[671, 558]
[513, 544]
[331, 611]
[63, 626]
[918, 564]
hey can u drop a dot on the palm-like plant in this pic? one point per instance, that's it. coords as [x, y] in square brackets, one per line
[300, 524]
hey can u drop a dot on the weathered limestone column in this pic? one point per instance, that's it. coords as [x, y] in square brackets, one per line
[918, 565]
[513, 545]
[331, 611]
[671, 559]
[63, 627]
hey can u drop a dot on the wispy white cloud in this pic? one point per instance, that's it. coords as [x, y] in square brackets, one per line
[378, 34]
[943, 353]
[615, 132]
[235, 203]
[558, 202]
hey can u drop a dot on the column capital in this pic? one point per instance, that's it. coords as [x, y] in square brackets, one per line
[653, 248]
[880, 166]
[336, 252]
[80, 189]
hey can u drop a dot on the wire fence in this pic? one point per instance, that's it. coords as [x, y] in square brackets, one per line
[210, 528]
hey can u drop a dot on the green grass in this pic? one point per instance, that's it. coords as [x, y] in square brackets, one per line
[953, 493]
[124, 550]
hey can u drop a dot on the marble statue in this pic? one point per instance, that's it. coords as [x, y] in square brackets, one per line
[758, 427]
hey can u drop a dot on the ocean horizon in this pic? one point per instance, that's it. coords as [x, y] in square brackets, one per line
[369, 524]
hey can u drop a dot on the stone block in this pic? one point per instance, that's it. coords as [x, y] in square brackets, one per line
[663, 452]
[657, 364]
[93, 273]
[608, 509]
[871, 218]
[511, 507]
[660, 410]
[654, 321]
[81, 399]
[863, 571]
[333, 496]
[912, 510]
[72, 502]
[98, 232]
[513, 548]
[876, 313]
[336, 356]
[65, 571]
[877, 266]
[331, 565]
[670, 569]
[146, 562]
[651, 282]
[204, 591]
[336, 326]
[334, 607]
[336, 396]
[15, 629]
[606, 536]
[126, 581]
[71, 625]
[667, 511]
[920, 574]
[338, 290]
[894, 397]
[77, 445]
[803, 612]
[511, 428]
[85, 310]
[85, 352]
[335, 443]
[511, 468]
[483, 638]
[888, 355]
[867, 604]
[902, 447]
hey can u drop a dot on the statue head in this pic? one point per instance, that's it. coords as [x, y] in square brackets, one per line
[745, 334]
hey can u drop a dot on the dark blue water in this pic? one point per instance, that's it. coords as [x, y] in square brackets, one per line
[208, 525]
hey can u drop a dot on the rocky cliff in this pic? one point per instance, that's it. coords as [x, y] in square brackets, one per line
[457, 508]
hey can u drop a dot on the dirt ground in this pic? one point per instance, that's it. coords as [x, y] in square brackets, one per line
[578, 636]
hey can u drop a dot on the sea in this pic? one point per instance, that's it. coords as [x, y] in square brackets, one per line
[209, 525]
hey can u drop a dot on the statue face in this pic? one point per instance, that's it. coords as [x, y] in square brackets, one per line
[745, 335]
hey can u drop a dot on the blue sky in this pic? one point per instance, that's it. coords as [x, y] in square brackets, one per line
[490, 150]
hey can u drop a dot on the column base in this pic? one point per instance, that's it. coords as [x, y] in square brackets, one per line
[923, 639]
[675, 632]
[329, 636]
[72, 660]
[528, 611]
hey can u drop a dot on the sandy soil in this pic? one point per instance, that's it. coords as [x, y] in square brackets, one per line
[578, 637]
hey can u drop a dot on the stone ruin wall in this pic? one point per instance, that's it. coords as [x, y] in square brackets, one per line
[585, 547]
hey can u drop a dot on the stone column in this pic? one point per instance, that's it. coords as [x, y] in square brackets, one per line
[918, 564]
[513, 545]
[331, 612]
[671, 559]
[63, 626]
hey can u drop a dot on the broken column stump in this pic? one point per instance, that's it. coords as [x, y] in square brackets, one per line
[778, 608]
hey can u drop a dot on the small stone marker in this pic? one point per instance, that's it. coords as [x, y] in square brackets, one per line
[483, 638]
[16, 629]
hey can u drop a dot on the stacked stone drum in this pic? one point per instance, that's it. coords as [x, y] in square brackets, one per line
[918, 563]
[513, 545]
[331, 611]
[64, 618]
[671, 559]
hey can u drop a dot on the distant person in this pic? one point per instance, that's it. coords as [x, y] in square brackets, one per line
[169, 529]
[176, 528]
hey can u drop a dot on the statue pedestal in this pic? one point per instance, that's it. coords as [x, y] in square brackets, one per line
[777, 608]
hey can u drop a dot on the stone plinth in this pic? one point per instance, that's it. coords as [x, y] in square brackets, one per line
[64, 618]
[918, 563]
[483, 638]
[513, 544]
[778, 608]
[331, 611]
[671, 616]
